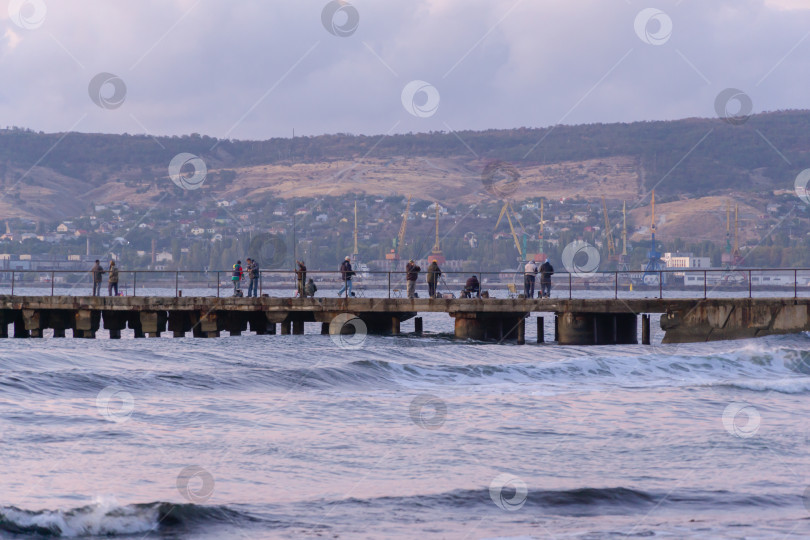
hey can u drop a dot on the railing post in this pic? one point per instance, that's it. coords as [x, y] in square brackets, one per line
[261, 287]
[12, 283]
[749, 284]
[795, 283]
[52, 278]
[616, 284]
[217, 283]
[570, 292]
[389, 284]
[660, 284]
[705, 284]
[176, 283]
[134, 283]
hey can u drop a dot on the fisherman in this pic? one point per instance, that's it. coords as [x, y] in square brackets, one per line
[97, 272]
[310, 288]
[433, 275]
[253, 277]
[301, 277]
[112, 281]
[472, 286]
[236, 276]
[411, 275]
[346, 273]
[546, 271]
[529, 273]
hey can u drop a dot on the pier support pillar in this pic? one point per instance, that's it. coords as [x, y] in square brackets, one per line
[325, 329]
[487, 326]
[645, 329]
[556, 328]
[521, 331]
[541, 329]
[271, 329]
[597, 329]
[114, 322]
[153, 323]
[395, 326]
[258, 323]
[58, 332]
[207, 324]
[298, 327]
[86, 324]
[34, 321]
[180, 323]
[417, 326]
[285, 328]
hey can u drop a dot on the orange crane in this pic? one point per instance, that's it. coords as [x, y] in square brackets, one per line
[394, 254]
[507, 210]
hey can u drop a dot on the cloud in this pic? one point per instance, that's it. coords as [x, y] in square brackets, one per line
[257, 69]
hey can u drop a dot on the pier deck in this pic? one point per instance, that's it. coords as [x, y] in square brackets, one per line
[578, 321]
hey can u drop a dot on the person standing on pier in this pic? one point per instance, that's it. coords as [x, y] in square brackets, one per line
[236, 277]
[97, 272]
[346, 273]
[529, 274]
[546, 271]
[411, 275]
[112, 281]
[253, 278]
[433, 275]
[301, 277]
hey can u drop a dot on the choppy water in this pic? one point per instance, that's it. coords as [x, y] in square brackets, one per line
[292, 436]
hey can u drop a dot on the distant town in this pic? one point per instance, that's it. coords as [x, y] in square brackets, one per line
[382, 233]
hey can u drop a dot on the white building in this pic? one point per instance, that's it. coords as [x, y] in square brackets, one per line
[685, 260]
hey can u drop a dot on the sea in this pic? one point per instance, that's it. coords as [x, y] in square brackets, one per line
[329, 436]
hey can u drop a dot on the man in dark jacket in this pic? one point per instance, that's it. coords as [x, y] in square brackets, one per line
[473, 286]
[253, 278]
[411, 275]
[546, 271]
[310, 288]
[346, 273]
[97, 272]
[433, 275]
[301, 277]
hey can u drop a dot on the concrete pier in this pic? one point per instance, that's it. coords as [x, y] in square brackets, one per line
[577, 322]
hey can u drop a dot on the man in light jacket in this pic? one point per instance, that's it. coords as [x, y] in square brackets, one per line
[529, 274]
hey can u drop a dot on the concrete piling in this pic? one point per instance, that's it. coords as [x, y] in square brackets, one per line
[645, 329]
[540, 330]
[417, 326]
[521, 332]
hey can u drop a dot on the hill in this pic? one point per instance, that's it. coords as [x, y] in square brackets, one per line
[59, 175]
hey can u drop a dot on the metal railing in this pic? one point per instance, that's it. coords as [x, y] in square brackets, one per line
[669, 283]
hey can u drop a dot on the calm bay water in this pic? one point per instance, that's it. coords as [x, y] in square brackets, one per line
[293, 436]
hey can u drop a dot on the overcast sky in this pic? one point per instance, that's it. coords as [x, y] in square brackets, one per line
[254, 69]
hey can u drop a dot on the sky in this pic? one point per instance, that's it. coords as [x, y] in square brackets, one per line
[256, 69]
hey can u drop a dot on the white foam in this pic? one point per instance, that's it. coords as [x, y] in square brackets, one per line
[104, 517]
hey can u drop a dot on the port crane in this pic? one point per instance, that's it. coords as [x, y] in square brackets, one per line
[399, 241]
[508, 212]
[611, 246]
[652, 270]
